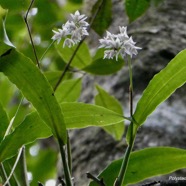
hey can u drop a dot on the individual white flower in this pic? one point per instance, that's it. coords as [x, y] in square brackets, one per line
[109, 54]
[77, 34]
[68, 42]
[69, 26]
[108, 41]
[118, 44]
[123, 34]
[79, 19]
[130, 47]
[73, 30]
[58, 35]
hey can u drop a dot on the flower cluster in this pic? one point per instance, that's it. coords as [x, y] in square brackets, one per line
[118, 44]
[73, 30]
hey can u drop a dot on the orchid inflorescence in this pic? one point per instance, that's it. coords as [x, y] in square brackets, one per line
[115, 44]
[118, 44]
[72, 30]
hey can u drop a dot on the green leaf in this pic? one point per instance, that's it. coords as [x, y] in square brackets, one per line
[101, 66]
[105, 100]
[3, 48]
[82, 57]
[4, 122]
[8, 90]
[156, 161]
[29, 130]
[51, 9]
[17, 5]
[26, 76]
[18, 112]
[69, 90]
[103, 12]
[76, 115]
[3, 12]
[161, 87]
[81, 115]
[53, 77]
[135, 8]
[3, 34]
[7, 94]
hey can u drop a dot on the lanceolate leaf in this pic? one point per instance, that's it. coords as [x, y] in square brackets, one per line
[18, 5]
[53, 77]
[135, 8]
[41, 20]
[69, 91]
[4, 121]
[76, 115]
[3, 34]
[101, 66]
[156, 161]
[8, 90]
[80, 115]
[105, 100]
[80, 60]
[104, 66]
[161, 87]
[6, 39]
[29, 130]
[103, 11]
[26, 76]
[3, 13]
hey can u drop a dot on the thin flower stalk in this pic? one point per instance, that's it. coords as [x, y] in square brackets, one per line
[124, 166]
[122, 45]
[29, 32]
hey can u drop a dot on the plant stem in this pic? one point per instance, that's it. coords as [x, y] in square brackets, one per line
[23, 162]
[130, 86]
[3, 173]
[14, 166]
[65, 164]
[68, 64]
[123, 169]
[13, 119]
[69, 154]
[46, 51]
[121, 176]
[29, 32]
[98, 181]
